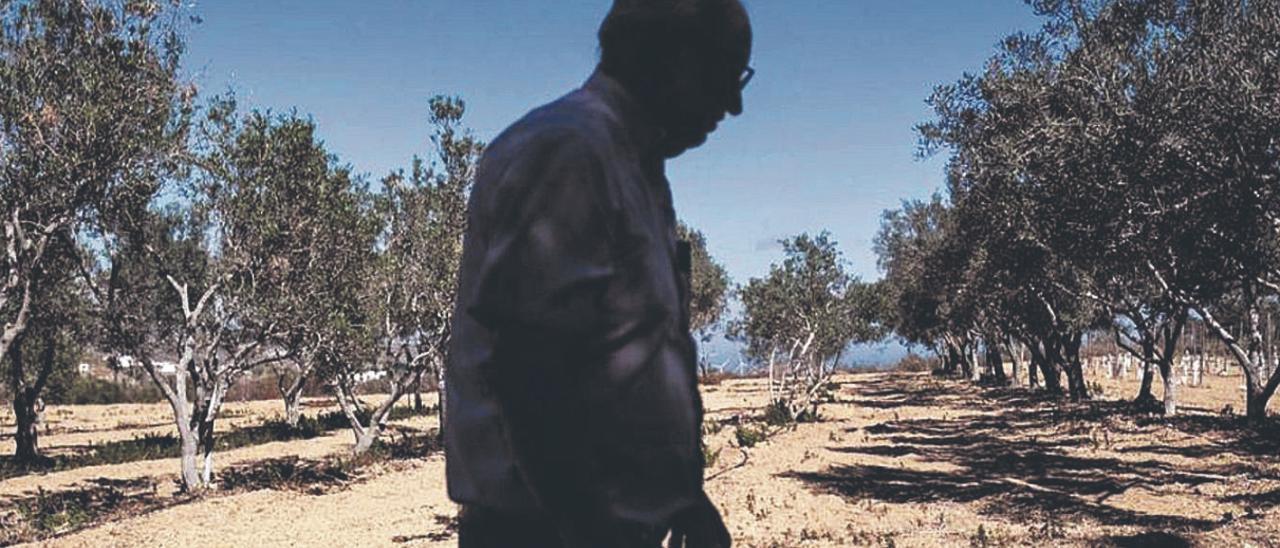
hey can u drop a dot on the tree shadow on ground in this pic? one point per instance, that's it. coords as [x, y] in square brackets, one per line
[887, 394]
[450, 530]
[152, 446]
[47, 514]
[290, 474]
[1016, 454]
[44, 514]
[55, 430]
[1153, 539]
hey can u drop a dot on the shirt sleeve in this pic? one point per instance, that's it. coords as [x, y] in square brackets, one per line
[550, 251]
[544, 294]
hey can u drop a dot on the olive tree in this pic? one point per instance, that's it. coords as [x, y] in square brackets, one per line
[1218, 104]
[91, 113]
[410, 291]
[57, 332]
[800, 319]
[708, 286]
[319, 221]
[227, 280]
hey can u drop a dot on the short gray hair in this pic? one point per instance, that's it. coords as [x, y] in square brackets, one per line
[637, 36]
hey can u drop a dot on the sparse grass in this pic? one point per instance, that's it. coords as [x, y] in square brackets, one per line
[289, 474]
[779, 414]
[989, 538]
[163, 446]
[748, 436]
[710, 458]
[48, 514]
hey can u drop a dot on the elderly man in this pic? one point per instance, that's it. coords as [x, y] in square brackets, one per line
[573, 414]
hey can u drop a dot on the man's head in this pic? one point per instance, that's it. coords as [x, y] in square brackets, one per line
[685, 60]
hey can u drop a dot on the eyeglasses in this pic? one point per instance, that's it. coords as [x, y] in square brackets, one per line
[747, 74]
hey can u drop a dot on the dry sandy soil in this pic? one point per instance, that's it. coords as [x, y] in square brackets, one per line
[896, 460]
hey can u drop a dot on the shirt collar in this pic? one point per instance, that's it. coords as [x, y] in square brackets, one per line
[639, 124]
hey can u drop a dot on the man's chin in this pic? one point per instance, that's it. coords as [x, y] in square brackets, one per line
[676, 147]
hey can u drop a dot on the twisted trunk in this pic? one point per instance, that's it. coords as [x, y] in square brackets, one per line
[367, 434]
[291, 393]
[28, 408]
[995, 361]
[1148, 373]
[1172, 332]
[441, 399]
[26, 411]
[417, 392]
[955, 361]
[1033, 369]
[183, 417]
[1015, 358]
[975, 367]
[194, 419]
[1069, 357]
[1042, 355]
[1260, 381]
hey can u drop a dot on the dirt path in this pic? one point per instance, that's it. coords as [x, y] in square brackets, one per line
[898, 460]
[404, 507]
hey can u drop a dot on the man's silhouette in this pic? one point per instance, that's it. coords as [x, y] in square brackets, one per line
[573, 414]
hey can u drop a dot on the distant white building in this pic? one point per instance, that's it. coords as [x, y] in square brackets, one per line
[129, 362]
[84, 368]
[366, 376]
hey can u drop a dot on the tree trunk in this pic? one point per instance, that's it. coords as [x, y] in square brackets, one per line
[206, 451]
[1148, 378]
[366, 435]
[1257, 397]
[188, 438]
[191, 482]
[365, 439]
[1249, 355]
[417, 392]
[291, 390]
[1145, 397]
[995, 361]
[205, 411]
[441, 399]
[1068, 355]
[1170, 387]
[958, 362]
[1048, 368]
[26, 411]
[1033, 368]
[1259, 389]
[27, 406]
[1171, 333]
[292, 396]
[292, 410]
[1016, 362]
[14, 329]
[975, 369]
[24, 407]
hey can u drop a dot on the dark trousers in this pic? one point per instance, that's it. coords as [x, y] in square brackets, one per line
[480, 527]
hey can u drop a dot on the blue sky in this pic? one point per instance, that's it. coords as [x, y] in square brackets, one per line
[826, 142]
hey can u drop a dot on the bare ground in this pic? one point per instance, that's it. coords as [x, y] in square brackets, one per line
[897, 460]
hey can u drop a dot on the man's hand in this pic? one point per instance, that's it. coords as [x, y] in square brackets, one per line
[699, 526]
